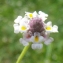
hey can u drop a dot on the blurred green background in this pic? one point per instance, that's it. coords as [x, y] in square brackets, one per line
[10, 47]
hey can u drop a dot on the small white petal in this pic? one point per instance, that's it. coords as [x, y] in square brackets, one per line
[41, 38]
[43, 18]
[24, 21]
[35, 14]
[32, 39]
[24, 42]
[42, 15]
[16, 28]
[37, 46]
[49, 23]
[49, 40]
[16, 31]
[18, 19]
[33, 46]
[55, 28]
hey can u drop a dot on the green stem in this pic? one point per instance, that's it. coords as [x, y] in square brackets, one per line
[23, 53]
[48, 54]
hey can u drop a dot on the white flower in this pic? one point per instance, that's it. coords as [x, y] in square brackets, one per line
[50, 28]
[37, 46]
[20, 28]
[42, 15]
[31, 15]
[24, 42]
[16, 28]
[36, 38]
[23, 27]
[48, 40]
[21, 24]
[18, 19]
[36, 41]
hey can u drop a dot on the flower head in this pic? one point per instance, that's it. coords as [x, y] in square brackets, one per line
[34, 29]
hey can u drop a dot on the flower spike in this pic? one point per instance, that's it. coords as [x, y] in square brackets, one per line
[34, 23]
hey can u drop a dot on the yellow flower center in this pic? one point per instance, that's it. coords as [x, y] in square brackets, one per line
[48, 28]
[30, 15]
[23, 28]
[36, 39]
